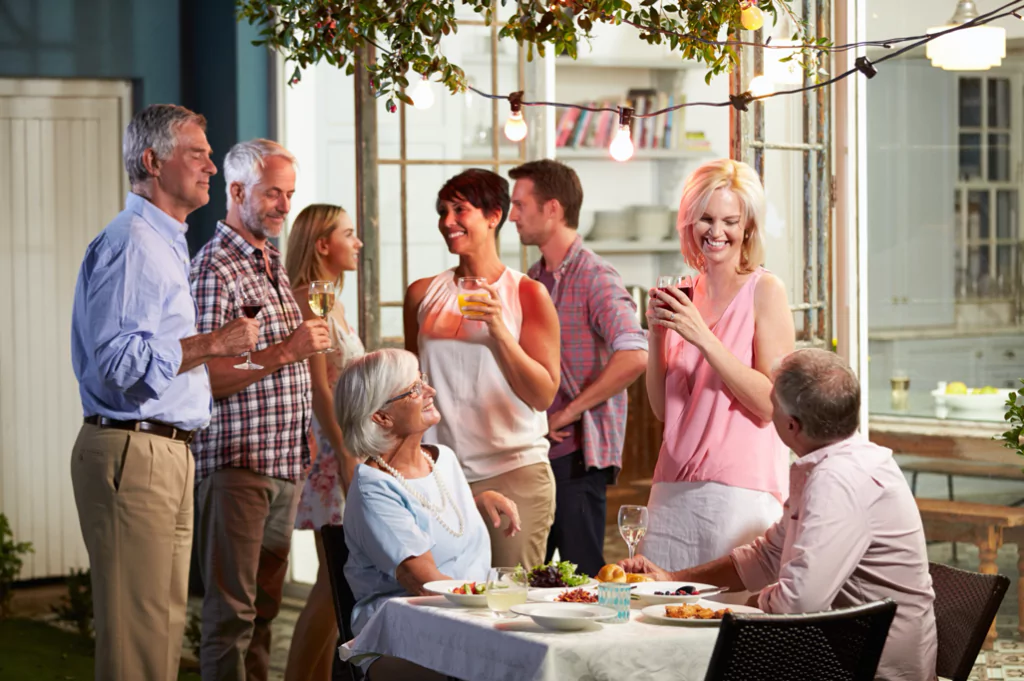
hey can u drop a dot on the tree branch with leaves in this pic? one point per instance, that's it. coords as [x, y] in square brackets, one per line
[409, 35]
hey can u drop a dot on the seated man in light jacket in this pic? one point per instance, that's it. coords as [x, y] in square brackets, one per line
[850, 532]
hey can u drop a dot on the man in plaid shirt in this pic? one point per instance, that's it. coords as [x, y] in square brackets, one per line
[604, 349]
[250, 459]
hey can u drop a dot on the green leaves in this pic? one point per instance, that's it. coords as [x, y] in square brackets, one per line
[1014, 417]
[410, 34]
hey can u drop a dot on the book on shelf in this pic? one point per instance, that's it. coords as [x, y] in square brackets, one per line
[580, 128]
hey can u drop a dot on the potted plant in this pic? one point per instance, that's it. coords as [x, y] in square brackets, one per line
[11, 553]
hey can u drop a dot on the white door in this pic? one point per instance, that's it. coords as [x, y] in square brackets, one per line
[61, 181]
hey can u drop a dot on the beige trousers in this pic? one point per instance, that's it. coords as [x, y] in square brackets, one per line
[134, 496]
[532, 488]
[245, 532]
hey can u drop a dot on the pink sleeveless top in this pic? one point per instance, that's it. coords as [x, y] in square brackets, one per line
[709, 436]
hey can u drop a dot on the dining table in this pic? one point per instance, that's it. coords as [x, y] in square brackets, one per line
[474, 645]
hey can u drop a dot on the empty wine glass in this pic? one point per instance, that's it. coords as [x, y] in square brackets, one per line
[250, 292]
[321, 302]
[632, 525]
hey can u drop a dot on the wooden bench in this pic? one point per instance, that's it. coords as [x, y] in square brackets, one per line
[986, 526]
[963, 469]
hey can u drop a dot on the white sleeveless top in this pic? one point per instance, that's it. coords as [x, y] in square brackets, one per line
[488, 427]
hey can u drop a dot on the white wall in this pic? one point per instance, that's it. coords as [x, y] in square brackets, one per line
[895, 18]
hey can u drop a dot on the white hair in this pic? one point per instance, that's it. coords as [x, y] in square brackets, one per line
[244, 163]
[362, 390]
[155, 127]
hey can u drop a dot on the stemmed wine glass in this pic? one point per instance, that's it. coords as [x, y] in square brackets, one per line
[250, 293]
[321, 302]
[632, 525]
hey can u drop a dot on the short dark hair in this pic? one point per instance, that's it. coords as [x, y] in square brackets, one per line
[554, 180]
[481, 189]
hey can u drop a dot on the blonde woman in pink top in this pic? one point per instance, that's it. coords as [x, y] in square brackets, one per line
[721, 476]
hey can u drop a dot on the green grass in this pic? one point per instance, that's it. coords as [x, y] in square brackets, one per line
[34, 651]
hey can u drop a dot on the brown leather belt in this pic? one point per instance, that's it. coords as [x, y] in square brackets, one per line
[153, 427]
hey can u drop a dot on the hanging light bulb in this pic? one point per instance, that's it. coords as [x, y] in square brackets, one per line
[515, 126]
[751, 16]
[621, 147]
[422, 94]
[761, 86]
[977, 48]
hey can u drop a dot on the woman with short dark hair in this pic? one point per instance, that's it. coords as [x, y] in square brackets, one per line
[494, 362]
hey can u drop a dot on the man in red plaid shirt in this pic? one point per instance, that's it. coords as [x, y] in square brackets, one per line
[251, 457]
[604, 349]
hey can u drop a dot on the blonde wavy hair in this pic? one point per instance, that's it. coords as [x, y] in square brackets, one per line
[741, 179]
[303, 263]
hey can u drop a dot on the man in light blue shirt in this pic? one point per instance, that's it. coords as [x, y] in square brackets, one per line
[145, 390]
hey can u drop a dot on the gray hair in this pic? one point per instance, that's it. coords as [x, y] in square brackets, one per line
[363, 388]
[245, 161]
[819, 390]
[155, 127]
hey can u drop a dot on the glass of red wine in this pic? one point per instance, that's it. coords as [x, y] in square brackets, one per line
[250, 293]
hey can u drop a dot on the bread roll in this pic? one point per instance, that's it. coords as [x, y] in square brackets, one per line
[634, 577]
[611, 573]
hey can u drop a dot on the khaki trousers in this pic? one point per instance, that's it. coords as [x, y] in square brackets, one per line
[532, 488]
[244, 533]
[133, 491]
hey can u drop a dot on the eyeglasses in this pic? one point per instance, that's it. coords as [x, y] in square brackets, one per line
[415, 391]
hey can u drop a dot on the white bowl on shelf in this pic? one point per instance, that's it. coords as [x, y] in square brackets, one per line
[973, 402]
[609, 225]
[649, 223]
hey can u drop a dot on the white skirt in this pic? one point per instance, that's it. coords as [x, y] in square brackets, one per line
[692, 523]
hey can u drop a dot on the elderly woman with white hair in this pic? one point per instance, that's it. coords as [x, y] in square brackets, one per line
[720, 480]
[410, 517]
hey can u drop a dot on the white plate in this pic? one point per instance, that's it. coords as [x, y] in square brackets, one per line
[550, 595]
[444, 587]
[991, 402]
[645, 590]
[563, 616]
[657, 612]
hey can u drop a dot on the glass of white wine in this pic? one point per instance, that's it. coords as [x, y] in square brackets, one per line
[321, 302]
[632, 525]
[505, 587]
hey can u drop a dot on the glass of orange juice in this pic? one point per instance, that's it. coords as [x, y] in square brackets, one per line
[471, 286]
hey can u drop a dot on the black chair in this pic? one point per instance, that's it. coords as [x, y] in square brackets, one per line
[336, 553]
[839, 645]
[965, 606]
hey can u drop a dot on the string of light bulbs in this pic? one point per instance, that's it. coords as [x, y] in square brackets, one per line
[761, 88]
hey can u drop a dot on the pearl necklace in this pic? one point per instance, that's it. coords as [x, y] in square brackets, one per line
[424, 501]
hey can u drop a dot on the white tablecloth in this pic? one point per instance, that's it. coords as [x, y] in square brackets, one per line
[472, 645]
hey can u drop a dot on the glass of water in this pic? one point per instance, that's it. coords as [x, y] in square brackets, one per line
[632, 525]
[505, 587]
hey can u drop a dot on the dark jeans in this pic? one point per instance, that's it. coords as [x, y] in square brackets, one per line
[580, 503]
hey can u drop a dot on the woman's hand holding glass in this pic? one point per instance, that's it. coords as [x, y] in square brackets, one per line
[671, 309]
[483, 306]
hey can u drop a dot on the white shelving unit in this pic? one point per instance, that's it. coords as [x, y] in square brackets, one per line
[617, 64]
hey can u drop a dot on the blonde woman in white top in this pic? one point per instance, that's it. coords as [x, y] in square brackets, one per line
[495, 366]
[322, 246]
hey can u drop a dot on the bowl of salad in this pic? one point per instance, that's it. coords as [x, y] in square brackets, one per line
[556, 575]
[460, 592]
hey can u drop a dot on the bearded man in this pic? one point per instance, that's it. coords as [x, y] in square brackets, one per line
[251, 458]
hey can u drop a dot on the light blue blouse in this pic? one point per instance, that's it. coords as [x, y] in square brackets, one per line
[384, 525]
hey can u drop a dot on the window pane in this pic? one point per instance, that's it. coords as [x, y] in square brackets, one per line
[970, 102]
[970, 156]
[977, 215]
[999, 157]
[977, 270]
[999, 102]
[1006, 213]
[1004, 269]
